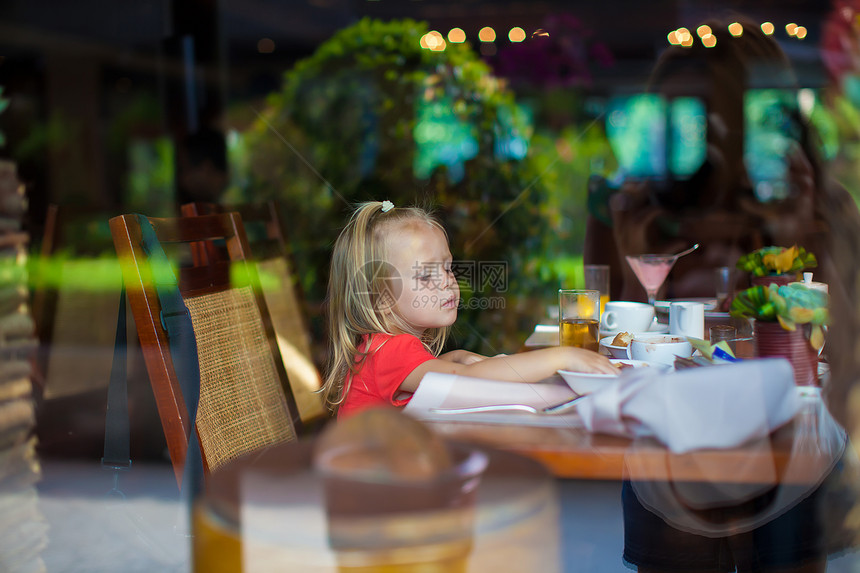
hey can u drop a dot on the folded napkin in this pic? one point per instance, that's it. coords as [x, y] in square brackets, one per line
[710, 407]
[451, 391]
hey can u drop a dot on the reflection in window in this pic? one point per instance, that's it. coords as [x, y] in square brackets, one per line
[513, 129]
[636, 126]
[689, 127]
[770, 133]
[239, 161]
[151, 175]
[442, 139]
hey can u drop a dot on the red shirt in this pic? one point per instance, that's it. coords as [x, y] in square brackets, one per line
[377, 383]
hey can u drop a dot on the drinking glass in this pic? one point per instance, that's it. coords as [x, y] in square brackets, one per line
[597, 278]
[579, 318]
[725, 332]
[651, 270]
[722, 285]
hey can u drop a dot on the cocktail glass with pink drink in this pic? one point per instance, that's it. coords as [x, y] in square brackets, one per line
[651, 270]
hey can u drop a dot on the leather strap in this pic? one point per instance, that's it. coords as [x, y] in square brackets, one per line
[176, 320]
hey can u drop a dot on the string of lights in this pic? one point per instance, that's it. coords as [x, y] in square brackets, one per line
[435, 41]
[683, 37]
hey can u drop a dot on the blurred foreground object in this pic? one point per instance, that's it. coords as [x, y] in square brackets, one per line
[22, 527]
[396, 495]
[288, 508]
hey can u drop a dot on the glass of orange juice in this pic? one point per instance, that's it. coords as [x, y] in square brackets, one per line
[579, 318]
[597, 278]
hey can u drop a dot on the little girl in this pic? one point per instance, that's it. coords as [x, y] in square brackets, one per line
[392, 299]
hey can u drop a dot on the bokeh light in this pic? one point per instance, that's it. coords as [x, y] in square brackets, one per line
[516, 34]
[736, 29]
[685, 37]
[790, 28]
[433, 40]
[487, 34]
[673, 38]
[704, 30]
[800, 33]
[456, 36]
[767, 28]
[709, 40]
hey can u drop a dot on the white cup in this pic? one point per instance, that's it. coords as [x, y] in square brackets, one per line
[659, 348]
[623, 315]
[687, 319]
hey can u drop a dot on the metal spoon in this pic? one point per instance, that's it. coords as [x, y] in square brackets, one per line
[688, 251]
[557, 409]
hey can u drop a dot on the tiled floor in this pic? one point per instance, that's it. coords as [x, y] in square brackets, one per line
[92, 532]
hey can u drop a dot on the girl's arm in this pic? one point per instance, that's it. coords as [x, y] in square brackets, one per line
[462, 357]
[522, 367]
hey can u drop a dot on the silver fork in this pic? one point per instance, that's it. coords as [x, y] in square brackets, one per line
[556, 409]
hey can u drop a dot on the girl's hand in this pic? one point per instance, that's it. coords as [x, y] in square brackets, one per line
[581, 360]
[462, 357]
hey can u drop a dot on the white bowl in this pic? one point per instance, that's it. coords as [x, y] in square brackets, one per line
[613, 350]
[586, 382]
[659, 348]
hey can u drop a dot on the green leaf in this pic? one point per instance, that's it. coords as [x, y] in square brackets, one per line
[816, 337]
[786, 323]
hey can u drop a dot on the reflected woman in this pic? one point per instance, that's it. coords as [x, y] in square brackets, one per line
[759, 181]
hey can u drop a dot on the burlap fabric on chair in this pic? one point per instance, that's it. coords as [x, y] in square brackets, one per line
[242, 406]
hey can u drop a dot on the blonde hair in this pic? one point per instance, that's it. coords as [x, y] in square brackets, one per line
[358, 290]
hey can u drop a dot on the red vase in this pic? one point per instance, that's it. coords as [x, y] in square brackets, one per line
[780, 280]
[772, 340]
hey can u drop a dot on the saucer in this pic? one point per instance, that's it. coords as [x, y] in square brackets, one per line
[662, 306]
[714, 315]
[655, 328]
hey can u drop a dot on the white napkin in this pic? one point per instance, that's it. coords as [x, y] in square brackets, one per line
[696, 408]
[452, 391]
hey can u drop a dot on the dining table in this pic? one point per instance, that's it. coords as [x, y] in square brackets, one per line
[805, 444]
[575, 453]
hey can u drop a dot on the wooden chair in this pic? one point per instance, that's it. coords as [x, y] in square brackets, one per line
[242, 403]
[264, 228]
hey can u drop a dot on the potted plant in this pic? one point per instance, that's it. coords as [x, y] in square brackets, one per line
[779, 265]
[789, 321]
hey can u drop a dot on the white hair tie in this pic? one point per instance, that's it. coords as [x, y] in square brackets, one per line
[387, 206]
